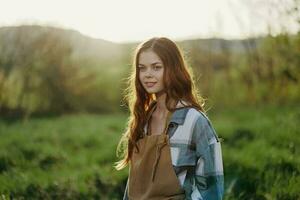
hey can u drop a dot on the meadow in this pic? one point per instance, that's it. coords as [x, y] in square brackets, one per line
[71, 156]
[251, 86]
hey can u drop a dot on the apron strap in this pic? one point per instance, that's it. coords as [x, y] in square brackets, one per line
[169, 115]
[160, 144]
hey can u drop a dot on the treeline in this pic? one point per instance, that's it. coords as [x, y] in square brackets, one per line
[42, 72]
[50, 71]
[252, 71]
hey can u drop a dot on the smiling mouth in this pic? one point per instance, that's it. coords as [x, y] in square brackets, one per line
[150, 84]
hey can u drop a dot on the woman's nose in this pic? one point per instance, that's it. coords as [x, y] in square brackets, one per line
[149, 73]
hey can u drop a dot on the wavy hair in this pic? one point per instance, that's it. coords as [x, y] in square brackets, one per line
[179, 86]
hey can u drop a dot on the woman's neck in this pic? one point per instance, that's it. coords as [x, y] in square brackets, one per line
[161, 108]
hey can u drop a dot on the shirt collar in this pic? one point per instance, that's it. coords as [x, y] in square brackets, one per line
[178, 116]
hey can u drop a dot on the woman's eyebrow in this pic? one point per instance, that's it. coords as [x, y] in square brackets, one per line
[152, 63]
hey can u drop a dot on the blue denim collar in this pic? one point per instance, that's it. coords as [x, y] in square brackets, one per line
[179, 115]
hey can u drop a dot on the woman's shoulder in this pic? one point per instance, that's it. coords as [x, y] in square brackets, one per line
[190, 113]
[202, 126]
[196, 114]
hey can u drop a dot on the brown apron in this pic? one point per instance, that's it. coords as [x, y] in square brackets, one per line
[151, 174]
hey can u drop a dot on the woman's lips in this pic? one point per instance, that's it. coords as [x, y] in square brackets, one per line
[150, 84]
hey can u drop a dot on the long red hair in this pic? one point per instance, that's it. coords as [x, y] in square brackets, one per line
[178, 83]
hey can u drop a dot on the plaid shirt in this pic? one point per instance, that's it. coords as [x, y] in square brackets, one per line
[196, 155]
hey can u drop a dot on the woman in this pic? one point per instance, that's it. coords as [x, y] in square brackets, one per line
[171, 148]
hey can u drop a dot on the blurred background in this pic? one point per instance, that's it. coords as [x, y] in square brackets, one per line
[63, 71]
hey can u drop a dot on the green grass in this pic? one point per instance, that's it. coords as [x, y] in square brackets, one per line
[260, 151]
[71, 157]
[75, 151]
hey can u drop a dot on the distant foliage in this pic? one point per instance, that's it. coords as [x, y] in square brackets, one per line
[47, 70]
[251, 71]
[39, 75]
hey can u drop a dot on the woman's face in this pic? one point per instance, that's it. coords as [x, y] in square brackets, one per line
[151, 70]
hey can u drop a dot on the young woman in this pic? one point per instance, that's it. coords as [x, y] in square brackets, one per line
[172, 150]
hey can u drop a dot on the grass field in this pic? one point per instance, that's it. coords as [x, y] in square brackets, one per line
[71, 157]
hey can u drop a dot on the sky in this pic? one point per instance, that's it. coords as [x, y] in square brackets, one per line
[136, 20]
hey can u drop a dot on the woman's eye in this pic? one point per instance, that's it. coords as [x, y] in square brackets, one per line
[142, 68]
[157, 67]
